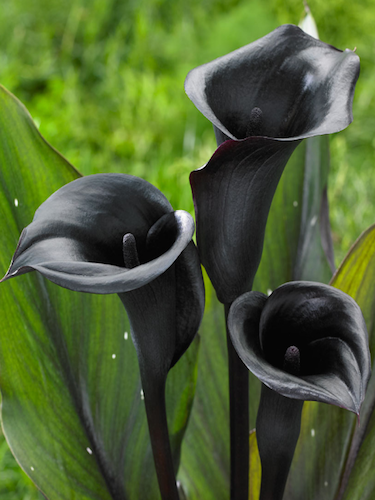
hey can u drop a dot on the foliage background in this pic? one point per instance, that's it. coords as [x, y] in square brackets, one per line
[104, 82]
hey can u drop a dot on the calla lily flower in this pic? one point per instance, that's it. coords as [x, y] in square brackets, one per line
[263, 99]
[324, 324]
[306, 341]
[115, 233]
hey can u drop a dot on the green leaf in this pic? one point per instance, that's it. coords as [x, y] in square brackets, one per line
[356, 277]
[205, 453]
[72, 407]
[320, 452]
[298, 245]
[14, 483]
[297, 220]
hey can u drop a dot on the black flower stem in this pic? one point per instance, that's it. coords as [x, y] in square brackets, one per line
[239, 421]
[277, 428]
[154, 396]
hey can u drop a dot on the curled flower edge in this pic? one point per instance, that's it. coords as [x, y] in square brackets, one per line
[97, 278]
[301, 387]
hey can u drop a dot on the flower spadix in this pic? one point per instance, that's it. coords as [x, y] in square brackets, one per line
[306, 341]
[265, 98]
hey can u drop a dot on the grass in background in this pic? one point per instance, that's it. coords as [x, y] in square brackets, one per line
[352, 179]
[104, 82]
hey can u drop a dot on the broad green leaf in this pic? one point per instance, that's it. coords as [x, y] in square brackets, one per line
[72, 407]
[293, 249]
[320, 452]
[297, 236]
[356, 277]
[205, 452]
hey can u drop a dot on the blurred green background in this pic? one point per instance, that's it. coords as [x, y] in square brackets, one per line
[104, 82]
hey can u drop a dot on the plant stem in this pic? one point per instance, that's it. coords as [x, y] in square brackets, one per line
[154, 394]
[239, 422]
[277, 428]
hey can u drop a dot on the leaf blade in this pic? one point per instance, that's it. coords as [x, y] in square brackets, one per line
[356, 277]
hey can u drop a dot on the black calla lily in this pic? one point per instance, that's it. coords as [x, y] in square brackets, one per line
[306, 341]
[115, 233]
[266, 97]
[285, 85]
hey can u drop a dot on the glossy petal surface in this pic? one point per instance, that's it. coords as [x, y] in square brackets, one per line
[284, 85]
[325, 324]
[76, 237]
[166, 313]
[232, 197]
